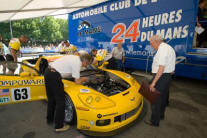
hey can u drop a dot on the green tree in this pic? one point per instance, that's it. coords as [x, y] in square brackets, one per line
[5, 31]
[45, 29]
[63, 27]
[50, 29]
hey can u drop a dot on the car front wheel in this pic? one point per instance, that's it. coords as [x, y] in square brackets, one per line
[70, 114]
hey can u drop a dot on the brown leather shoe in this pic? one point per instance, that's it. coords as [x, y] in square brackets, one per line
[64, 128]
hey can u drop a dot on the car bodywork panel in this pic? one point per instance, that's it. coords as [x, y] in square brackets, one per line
[110, 99]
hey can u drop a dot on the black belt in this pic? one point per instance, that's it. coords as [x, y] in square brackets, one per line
[162, 73]
[154, 74]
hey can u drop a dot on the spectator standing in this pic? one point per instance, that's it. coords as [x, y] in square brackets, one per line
[93, 56]
[63, 46]
[15, 45]
[93, 53]
[70, 49]
[61, 68]
[202, 22]
[2, 55]
[162, 67]
[118, 54]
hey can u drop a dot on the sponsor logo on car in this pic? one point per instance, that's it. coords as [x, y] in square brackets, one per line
[5, 99]
[84, 90]
[132, 99]
[128, 76]
[91, 123]
[4, 91]
[85, 127]
[22, 82]
[99, 115]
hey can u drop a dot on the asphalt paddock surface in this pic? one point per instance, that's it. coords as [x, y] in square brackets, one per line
[186, 117]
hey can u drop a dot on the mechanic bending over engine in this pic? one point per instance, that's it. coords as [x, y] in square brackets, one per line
[61, 68]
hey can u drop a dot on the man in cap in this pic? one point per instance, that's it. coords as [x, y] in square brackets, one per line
[14, 46]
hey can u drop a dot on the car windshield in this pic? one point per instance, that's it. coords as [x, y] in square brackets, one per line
[16, 68]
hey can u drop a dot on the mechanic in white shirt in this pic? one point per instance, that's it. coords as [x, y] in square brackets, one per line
[62, 67]
[162, 67]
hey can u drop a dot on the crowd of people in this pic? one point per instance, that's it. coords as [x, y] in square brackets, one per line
[63, 47]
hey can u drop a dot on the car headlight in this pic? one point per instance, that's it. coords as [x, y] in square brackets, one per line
[98, 99]
[89, 99]
[95, 101]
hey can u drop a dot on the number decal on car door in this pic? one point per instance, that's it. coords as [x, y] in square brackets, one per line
[20, 94]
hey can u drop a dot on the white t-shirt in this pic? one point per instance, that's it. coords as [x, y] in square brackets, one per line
[60, 47]
[118, 53]
[165, 56]
[4, 50]
[68, 65]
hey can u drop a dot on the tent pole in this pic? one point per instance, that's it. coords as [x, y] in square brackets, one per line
[10, 23]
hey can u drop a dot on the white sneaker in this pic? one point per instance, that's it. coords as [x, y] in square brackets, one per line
[64, 128]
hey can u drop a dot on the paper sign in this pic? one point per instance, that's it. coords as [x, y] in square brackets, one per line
[199, 30]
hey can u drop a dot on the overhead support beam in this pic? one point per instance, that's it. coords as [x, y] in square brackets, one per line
[11, 32]
[43, 9]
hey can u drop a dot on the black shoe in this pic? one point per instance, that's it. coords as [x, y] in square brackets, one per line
[167, 103]
[49, 122]
[162, 117]
[150, 123]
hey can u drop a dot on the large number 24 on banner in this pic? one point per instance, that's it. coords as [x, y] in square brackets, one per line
[131, 33]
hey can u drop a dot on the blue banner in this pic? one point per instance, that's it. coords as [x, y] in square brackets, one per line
[133, 22]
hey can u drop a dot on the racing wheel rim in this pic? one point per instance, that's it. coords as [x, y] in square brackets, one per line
[69, 109]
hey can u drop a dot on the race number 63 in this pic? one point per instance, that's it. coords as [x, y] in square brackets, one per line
[20, 94]
[121, 33]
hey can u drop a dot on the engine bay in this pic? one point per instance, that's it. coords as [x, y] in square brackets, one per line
[105, 82]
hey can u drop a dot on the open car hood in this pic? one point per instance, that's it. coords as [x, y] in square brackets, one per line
[105, 82]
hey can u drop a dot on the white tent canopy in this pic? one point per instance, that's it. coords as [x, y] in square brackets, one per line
[23, 9]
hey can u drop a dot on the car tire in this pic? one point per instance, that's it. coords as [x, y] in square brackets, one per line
[70, 113]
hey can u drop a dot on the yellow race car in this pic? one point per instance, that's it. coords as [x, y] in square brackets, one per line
[109, 101]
